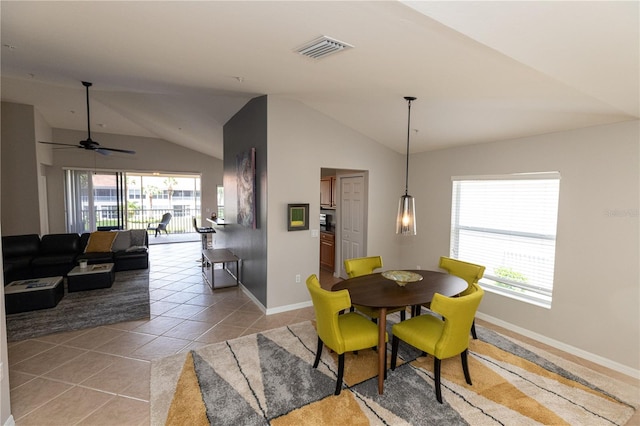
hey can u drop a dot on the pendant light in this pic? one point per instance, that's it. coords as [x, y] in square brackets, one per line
[406, 221]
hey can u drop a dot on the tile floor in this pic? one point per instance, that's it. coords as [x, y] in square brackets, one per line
[100, 376]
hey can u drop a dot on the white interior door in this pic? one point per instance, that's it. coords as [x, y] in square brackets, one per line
[353, 214]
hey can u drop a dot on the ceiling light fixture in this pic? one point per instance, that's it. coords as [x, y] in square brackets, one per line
[406, 221]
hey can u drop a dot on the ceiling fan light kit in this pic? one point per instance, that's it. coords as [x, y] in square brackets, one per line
[89, 143]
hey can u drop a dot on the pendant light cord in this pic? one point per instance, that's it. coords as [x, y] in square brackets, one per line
[406, 182]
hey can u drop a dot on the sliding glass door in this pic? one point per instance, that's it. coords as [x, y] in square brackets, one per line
[94, 200]
[104, 200]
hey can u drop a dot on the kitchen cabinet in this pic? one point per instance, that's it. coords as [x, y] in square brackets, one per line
[327, 251]
[328, 192]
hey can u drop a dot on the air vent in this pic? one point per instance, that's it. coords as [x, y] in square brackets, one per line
[321, 47]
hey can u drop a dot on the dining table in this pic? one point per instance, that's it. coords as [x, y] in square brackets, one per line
[376, 291]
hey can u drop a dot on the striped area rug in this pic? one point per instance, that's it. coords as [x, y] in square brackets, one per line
[267, 378]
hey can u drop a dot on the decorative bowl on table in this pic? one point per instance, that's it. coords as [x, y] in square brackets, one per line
[402, 277]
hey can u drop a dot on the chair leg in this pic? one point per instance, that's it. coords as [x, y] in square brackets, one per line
[394, 351]
[318, 353]
[473, 330]
[403, 314]
[436, 373]
[340, 374]
[465, 366]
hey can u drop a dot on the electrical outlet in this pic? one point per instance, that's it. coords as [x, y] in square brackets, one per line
[418, 267]
[298, 278]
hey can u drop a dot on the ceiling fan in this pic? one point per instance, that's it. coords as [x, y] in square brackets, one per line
[89, 143]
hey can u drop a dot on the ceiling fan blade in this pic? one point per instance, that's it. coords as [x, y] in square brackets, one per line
[61, 144]
[126, 151]
[102, 151]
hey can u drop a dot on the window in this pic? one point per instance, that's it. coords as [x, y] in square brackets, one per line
[220, 190]
[508, 224]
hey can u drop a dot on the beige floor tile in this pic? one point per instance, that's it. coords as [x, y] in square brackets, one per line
[160, 307]
[221, 333]
[205, 300]
[119, 411]
[140, 389]
[120, 375]
[60, 338]
[94, 338]
[68, 408]
[82, 367]
[48, 360]
[212, 315]
[188, 329]
[159, 325]
[34, 394]
[17, 378]
[242, 318]
[26, 349]
[126, 343]
[160, 293]
[184, 311]
[128, 325]
[160, 347]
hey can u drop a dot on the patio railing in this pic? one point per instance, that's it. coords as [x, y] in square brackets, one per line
[181, 219]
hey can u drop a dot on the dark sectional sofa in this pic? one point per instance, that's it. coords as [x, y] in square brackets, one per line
[30, 256]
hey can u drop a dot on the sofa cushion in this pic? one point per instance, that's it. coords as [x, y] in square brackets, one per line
[100, 242]
[20, 245]
[54, 244]
[96, 257]
[138, 237]
[122, 241]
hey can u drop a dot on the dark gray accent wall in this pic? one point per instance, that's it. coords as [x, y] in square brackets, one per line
[245, 130]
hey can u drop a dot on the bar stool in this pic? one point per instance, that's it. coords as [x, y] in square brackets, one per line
[203, 231]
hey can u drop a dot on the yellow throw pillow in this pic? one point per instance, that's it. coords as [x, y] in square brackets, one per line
[100, 242]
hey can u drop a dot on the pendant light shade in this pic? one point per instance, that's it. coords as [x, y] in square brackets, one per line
[406, 221]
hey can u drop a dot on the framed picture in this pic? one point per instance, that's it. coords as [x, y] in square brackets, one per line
[297, 217]
[246, 178]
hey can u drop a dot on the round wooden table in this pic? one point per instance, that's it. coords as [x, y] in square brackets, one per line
[378, 292]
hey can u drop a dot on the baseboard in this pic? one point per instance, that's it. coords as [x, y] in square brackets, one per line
[605, 362]
[10, 421]
[287, 308]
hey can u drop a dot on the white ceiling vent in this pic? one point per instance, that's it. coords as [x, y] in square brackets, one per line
[321, 47]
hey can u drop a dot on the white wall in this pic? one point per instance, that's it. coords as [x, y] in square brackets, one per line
[596, 286]
[300, 142]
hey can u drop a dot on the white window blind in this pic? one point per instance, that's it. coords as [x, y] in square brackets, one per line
[508, 224]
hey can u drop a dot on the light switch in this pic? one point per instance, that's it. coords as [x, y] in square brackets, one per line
[314, 233]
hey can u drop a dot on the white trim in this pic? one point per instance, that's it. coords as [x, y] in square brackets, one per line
[287, 308]
[10, 421]
[514, 176]
[605, 362]
[277, 310]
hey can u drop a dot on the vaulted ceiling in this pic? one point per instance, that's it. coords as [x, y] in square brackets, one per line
[482, 71]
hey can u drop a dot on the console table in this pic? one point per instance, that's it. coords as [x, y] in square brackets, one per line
[211, 257]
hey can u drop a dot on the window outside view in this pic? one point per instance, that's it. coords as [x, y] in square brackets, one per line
[130, 200]
[508, 225]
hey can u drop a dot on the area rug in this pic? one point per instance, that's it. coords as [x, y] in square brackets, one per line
[267, 378]
[126, 300]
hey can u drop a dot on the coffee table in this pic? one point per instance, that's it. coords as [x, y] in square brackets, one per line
[32, 294]
[92, 277]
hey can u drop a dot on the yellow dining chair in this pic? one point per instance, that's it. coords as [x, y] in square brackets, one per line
[470, 272]
[359, 266]
[441, 337]
[341, 333]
